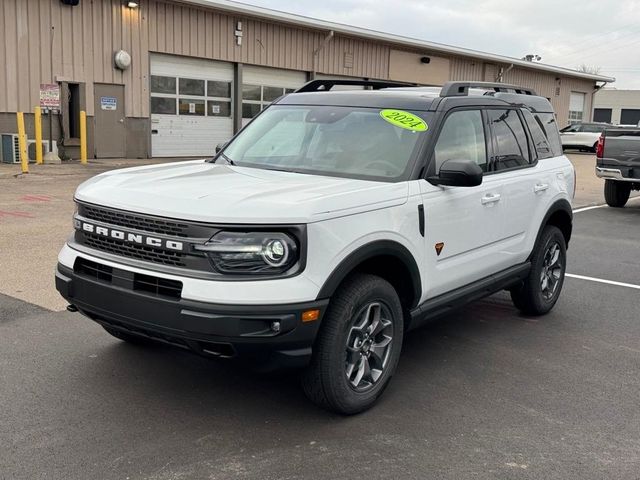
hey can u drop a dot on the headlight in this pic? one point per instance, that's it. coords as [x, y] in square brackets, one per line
[258, 253]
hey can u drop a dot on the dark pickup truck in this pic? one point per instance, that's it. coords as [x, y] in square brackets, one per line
[618, 162]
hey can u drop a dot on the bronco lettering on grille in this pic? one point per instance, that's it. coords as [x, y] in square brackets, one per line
[129, 237]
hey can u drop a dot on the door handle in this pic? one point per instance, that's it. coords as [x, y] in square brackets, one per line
[490, 198]
[121, 120]
[540, 187]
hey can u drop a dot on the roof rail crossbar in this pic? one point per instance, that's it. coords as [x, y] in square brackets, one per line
[461, 89]
[327, 84]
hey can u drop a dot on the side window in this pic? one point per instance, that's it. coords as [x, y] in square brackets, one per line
[509, 139]
[547, 122]
[540, 144]
[462, 138]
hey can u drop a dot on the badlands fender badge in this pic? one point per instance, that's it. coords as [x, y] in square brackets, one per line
[439, 247]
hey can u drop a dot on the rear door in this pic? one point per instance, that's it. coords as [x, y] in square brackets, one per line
[526, 186]
[464, 225]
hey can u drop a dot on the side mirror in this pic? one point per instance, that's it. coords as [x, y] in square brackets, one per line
[220, 146]
[458, 173]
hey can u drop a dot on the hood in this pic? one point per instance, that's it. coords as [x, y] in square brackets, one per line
[206, 192]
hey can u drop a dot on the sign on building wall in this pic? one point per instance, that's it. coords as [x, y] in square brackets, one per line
[108, 103]
[50, 96]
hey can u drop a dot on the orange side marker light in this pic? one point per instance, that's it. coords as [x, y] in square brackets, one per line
[310, 315]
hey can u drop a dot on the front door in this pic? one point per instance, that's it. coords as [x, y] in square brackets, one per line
[110, 129]
[464, 225]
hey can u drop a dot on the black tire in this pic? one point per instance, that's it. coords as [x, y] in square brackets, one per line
[531, 297]
[128, 337]
[616, 194]
[326, 381]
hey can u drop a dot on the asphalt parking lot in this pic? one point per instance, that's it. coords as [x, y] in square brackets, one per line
[484, 393]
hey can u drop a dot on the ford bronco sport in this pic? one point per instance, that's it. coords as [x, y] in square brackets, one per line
[327, 228]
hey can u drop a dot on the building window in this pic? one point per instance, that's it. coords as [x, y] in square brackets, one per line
[576, 107]
[190, 96]
[191, 106]
[163, 84]
[257, 97]
[189, 86]
[163, 105]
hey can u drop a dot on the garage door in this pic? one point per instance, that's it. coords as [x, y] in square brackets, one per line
[602, 115]
[629, 116]
[190, 105]
[261, 86]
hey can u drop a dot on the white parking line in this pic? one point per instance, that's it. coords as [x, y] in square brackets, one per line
[588, 208]
[601, 280]
[584, 209]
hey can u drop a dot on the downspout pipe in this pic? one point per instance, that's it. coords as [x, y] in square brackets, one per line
[316, 53]
[503, 72]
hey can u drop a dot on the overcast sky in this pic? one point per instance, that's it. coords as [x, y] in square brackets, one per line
[598, 33]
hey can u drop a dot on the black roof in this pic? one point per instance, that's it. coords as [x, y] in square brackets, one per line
[408, 97]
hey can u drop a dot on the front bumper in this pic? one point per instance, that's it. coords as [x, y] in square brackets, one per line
[243, 331]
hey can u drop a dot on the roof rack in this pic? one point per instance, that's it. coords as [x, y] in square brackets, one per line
[461, 89]
[327, 84]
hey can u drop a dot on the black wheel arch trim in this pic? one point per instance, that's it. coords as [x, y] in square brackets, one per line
[366, 252]
[561, 205]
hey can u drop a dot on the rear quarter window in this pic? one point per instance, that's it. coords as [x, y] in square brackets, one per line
[547, 121]
[541, 146]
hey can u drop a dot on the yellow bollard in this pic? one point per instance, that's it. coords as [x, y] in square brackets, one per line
[83, 136]
[38, 124]
[22, 143]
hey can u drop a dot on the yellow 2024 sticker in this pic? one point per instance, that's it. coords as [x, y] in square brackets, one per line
[403, 119]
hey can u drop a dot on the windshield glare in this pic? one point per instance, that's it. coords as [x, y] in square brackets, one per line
[325, 140]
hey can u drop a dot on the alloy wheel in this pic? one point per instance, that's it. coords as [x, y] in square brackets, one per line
[369, 346]
[551, 271]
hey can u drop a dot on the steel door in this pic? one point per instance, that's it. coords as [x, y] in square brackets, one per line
[110, 129]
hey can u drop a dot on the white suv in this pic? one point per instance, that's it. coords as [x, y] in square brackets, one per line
[330, 226]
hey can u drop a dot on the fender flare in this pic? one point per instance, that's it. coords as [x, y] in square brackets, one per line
[366, 252]
[561, 205]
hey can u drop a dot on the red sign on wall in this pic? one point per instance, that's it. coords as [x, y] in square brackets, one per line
[50, 96]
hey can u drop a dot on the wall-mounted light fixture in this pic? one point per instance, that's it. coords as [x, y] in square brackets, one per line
[132, 4]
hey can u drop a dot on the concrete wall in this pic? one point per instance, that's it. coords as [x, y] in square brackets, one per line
[70, 151]
[617, 100]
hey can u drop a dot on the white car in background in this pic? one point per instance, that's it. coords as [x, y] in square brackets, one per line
[582, 136]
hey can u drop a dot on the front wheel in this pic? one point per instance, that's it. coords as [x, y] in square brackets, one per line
[540, 291]
[358, 346]
[616, 194]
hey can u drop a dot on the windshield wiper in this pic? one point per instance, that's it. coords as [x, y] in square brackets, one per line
[226, 159]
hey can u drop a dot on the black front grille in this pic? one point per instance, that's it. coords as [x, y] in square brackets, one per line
[131, 250]
[133, 221]
[93, 270]
[157, 286]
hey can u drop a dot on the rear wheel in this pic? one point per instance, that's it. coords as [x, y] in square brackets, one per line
[358, 346]
[616, 194]
[540, 291]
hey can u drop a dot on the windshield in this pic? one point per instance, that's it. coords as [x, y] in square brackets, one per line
[329, 140]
